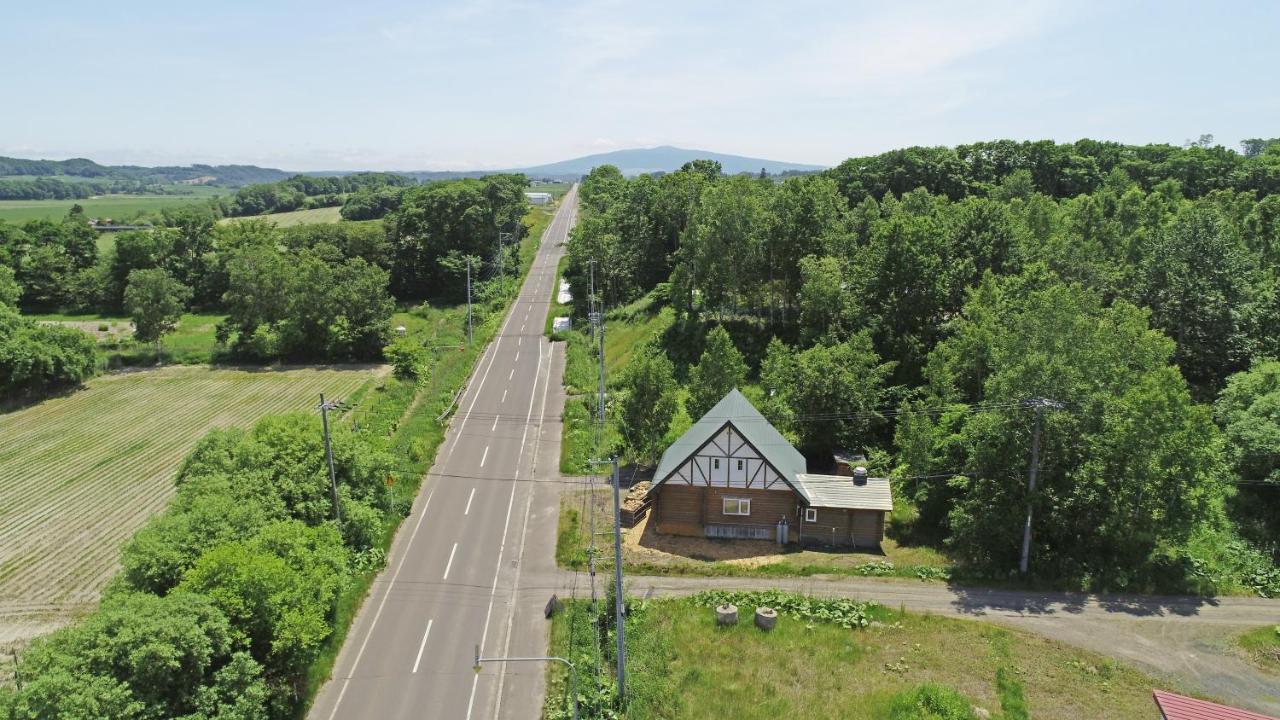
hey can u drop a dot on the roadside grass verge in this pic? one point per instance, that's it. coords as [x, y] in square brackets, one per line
[681, 665]
[1262, 646]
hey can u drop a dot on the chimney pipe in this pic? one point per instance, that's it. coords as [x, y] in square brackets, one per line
[859, 475]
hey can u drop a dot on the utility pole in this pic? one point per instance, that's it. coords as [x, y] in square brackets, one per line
[618, 601]
[325, 407]
[1038, 404]
[470, 338]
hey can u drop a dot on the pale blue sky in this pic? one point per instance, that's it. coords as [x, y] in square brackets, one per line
[314, 84]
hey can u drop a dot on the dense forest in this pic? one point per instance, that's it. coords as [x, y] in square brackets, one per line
[321, 292]
[924, 306]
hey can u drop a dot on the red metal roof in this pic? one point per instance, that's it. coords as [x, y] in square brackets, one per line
[1180, 707]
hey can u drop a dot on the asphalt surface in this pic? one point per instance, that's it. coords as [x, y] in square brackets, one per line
[452, 574]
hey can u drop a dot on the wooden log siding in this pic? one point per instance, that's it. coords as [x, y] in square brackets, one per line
[831, 528]
[860, 528]
[684, 510]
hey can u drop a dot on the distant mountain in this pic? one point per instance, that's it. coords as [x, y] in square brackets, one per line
[638, 161]
[228, 175]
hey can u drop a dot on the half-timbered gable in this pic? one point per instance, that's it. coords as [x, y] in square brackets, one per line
[728, 460]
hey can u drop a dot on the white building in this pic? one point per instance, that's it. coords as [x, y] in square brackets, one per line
[538, 198]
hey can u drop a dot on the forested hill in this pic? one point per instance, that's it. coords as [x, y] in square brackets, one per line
[640, 161]
[229, 175]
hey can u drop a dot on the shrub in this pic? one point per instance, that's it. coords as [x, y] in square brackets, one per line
[930, 702]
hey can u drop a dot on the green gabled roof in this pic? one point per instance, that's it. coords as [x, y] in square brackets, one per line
[736, 410]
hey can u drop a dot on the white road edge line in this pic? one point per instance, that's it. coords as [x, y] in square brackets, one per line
[381, 605]
[423, 646]
[470, 497]
[449, 565]
[493, 592]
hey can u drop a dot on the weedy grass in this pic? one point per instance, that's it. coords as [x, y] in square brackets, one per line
[823, 661]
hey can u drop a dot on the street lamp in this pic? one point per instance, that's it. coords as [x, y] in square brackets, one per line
[573, 671]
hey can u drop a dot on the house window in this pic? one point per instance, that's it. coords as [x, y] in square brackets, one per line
[811, 514]
[715, 463]
[737, 506]
[739, 464]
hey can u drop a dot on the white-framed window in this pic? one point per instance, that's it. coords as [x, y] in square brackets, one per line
[739, 464]
[811, 514]
[715, 464]
[737, 506]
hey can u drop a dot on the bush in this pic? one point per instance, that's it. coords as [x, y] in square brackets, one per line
[930, 702]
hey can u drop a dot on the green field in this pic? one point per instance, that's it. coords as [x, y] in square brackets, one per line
[681, 665]
[194, 341]
[116, 207]
[80, 473]
[297, 217]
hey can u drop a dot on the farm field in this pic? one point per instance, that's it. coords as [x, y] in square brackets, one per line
[119, 207]
[296, 217]
[80, 473]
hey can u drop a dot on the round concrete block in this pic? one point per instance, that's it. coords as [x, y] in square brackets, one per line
[727, 615]
[766, 618]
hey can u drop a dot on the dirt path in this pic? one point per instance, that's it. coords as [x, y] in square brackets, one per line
[1184, 638]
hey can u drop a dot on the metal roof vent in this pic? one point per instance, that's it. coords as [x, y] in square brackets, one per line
[859, 475]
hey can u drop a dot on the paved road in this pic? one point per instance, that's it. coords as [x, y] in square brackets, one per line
[453, 569]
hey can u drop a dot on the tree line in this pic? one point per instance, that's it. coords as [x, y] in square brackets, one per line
[303, 192]
[916, 323]
[303, 293]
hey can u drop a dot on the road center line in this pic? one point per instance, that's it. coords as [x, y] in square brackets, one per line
[423, 646]
[511, 374]
[504, 399]
[485, 456]
[470, 497]
[517, 357]
[495, 423]
[449, 565]
[502, 546]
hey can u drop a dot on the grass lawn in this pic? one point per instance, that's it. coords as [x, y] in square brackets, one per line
[681, 665]
[1262, 646]
[296, 217]
[646, 552]
[194, 341]
[116, 207]
[81, 472]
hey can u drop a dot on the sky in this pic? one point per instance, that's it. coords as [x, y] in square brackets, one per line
[436, 85]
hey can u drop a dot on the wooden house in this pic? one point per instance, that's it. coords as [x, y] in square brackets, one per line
[733, 475]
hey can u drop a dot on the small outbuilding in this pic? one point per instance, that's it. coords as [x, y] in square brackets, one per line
[733, 475]
[538, 198]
